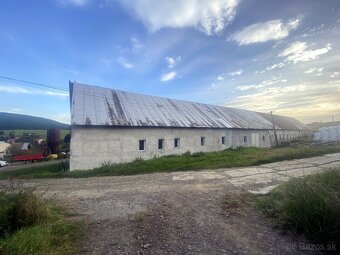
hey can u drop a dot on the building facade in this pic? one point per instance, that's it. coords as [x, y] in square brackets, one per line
[110, 126]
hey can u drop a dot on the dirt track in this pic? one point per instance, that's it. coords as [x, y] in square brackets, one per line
[179, 213]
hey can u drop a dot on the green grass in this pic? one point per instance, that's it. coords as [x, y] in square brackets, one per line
[42, 133]
[29, 225]
[223, 159]
[310, 205]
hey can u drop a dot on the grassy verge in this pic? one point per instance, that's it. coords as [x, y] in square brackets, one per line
[222, 159]
[29, 225]
[310, 205]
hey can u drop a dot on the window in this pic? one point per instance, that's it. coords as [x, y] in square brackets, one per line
[160, 144]
[141, 145]
[244, 139]
[263, 138]
[176, 143]
[202, 140]
[223, 140]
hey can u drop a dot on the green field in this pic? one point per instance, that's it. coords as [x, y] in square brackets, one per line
[42, 133]
[223, 159]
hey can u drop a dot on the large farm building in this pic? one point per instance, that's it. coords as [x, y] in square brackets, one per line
[117, 126]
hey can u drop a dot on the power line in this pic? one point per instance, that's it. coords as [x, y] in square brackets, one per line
[35, 84]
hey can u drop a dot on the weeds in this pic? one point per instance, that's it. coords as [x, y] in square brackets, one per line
[310, 205]
[29, 225]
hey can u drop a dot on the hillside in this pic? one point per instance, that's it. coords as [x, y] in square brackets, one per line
[13, 121]
[316, 125]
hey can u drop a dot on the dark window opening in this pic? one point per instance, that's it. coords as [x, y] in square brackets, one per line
[223, 139]
[141, 145]
[160, 144]
[176, 142]
[244, 139]
[202, 140]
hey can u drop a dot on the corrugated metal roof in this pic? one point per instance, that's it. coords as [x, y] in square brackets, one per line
[91, 105]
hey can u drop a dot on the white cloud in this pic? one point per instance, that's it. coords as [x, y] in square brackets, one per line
[75, 2]
[16, 110]
[136, 44]
[20, 90]
[297, 52]
[71, 71]
[58, 94]
[210, 17]
[168, 76]
[171, 62]
[312, 70]
[307, 102]
[263, 84]
[220, 78]
[123, 62]
[335, 74]
[279, 65]
[14, 89]
[266, 31]
[237, 72]
[334, 82]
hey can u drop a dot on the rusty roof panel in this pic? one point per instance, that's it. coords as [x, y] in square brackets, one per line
[93, 105]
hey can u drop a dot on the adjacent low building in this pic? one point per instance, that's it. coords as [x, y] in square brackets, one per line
[116, 126]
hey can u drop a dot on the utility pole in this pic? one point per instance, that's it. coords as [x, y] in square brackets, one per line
[276, 141]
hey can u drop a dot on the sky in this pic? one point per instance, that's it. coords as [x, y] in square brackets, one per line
[273, 55]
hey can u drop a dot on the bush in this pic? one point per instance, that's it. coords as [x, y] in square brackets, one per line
[310, 205]
[197, 154]
[20, 210]
[29, 225]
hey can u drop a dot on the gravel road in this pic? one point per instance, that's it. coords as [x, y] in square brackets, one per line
[202, 212]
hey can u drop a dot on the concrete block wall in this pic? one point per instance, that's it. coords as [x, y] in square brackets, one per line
[93, 146]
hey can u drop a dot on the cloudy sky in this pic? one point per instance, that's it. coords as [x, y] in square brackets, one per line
[281, 56]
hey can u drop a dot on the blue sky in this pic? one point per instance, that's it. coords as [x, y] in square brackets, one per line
[259, 55]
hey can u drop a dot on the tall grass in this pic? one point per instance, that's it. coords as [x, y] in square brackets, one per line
[29, 225]
[310, 205]
[212, 160]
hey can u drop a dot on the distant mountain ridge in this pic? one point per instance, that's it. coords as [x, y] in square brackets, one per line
[13, 121]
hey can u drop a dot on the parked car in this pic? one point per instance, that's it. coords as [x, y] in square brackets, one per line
[3, 163]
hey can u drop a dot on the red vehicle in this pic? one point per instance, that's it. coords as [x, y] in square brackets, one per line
[29, 158]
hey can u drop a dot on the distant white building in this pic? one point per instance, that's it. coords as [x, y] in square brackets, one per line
[3, 148]
[328, 134]
[117, 126]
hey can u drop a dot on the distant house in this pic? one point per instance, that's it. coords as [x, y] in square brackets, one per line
[11, 140]
[38, 140]
[25, 146]
[3, 148]
[116, 126]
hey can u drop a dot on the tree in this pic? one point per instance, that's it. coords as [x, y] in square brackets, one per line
[12, 135]
[67, 138]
